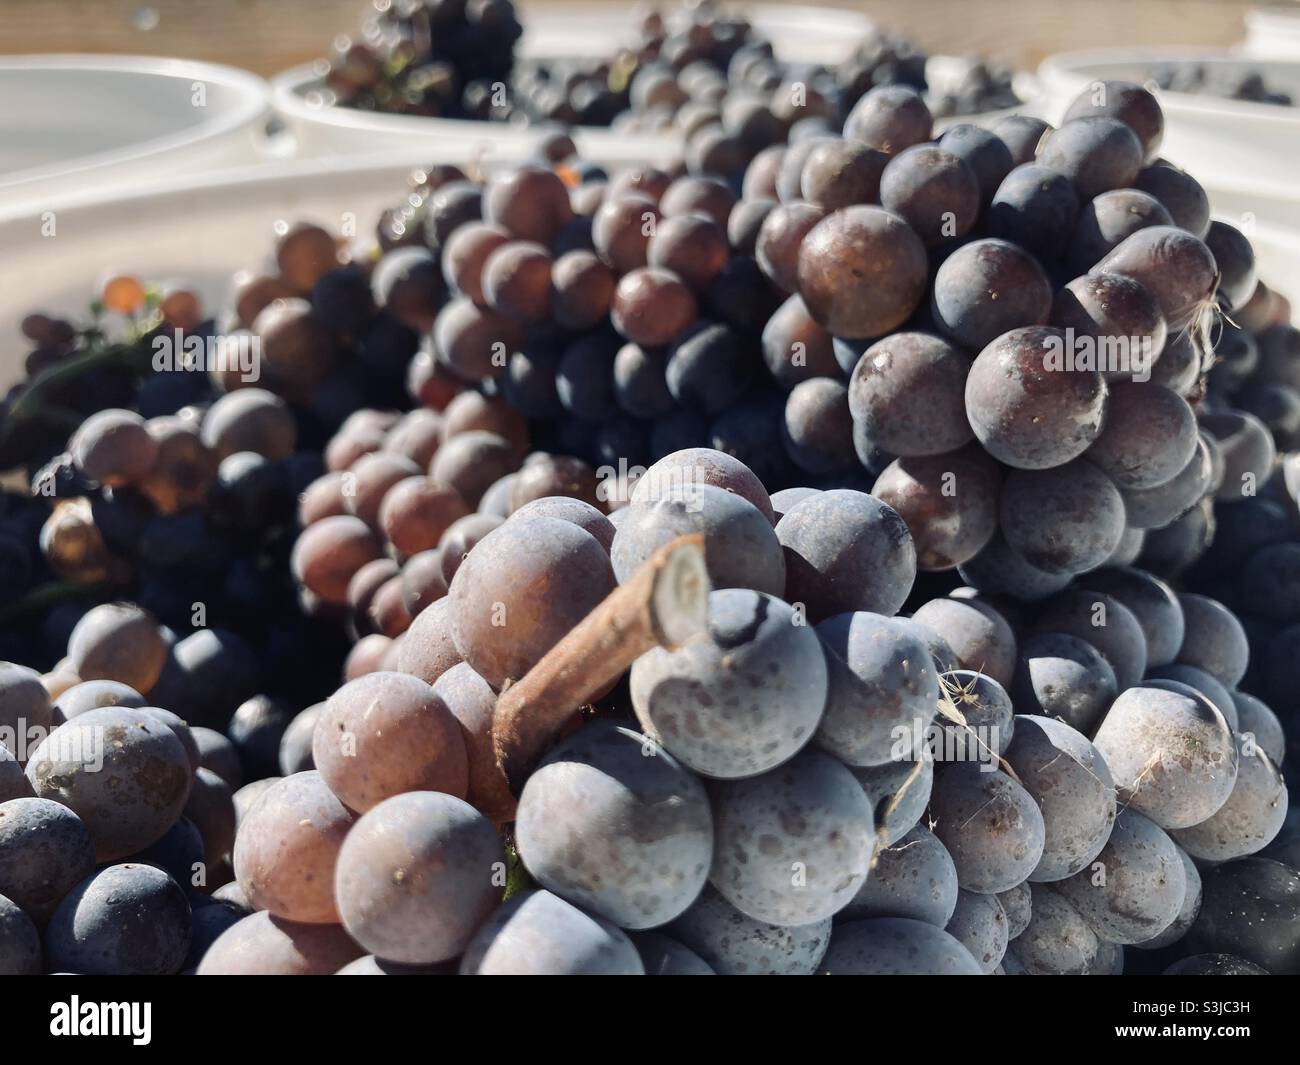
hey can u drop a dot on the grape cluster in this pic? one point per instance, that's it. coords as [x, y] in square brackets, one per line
[983, 622]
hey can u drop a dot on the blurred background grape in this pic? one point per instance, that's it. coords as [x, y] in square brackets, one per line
[266, 36]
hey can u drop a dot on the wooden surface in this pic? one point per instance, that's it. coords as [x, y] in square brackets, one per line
[266, 36]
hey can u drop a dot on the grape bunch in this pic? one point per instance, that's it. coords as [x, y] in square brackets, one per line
[427, 57]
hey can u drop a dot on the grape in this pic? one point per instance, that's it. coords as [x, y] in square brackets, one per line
[408, 284]
[179, 854]
[184, 469]
[998, 570]
[219, 755]
[20, 942]
[898, 793]
[471, 462]
[692, 246]
[126, 920]
[422, 581]
[1248, 452]
[581, 514]
[304, 254]
[979, 637]
[1169, 550]
[1104, 622]
[1026, 413]
[990, 825]
[211, 810]
[907, 395]
[537, 933]
[24, 702]
[934, 191]
[662, 956]
[1097, 153]
[652, 306]
[582, 290]
[415, 513]
[554, 475]
[1249, 906]
[764, 835]
[256, 730]
[621, 229]
[297, 351]
[1144, 887]
[1017, 905]
[655, 813]
[1158, 507]
[1213, 639]
[741, 701]
[698, 195]
[417, 875]
[13, 782]
[735, 944]
[1107, 219]
[287, 847]
[740, 548]
[780, 240]
[1171, 756]
[492, 414]
[1021, 134]
[124, 773]
[1186, 914]
[384, 734]
[846, 551]
[1176, 267]
[1072, 785]
[516, 281]
[987, 288]
[1068, 519]
[1057, 941]
[1279, 347]
[1198, 681]
[367, 656]
[745, 223]
[1214, 965]
[1129, 103]
[114, 448]
[702, 466]
[896, 946]
[117, 641]
[1249, 820]
[1035, 208]
[1061, 676]
[369, 965]
[980, 925]
[1236, 262]
[1255, 719]
[472, 341]
[330, 552]
[638, 381]
[883, 691]
[530, 201]
[1180, 193]
[1149, 436]
[818, 428]
[786, 498]
[862, 271]
[217, 671]
[708, 368]
[262, 944]
[841, 173]
[521, 574]
[913, 878]
[742, 296]
[460, 538]
[1154, 604]
[1123, 321]
[988, 718]
[464, 254]
[948, 502]
[45, 851]
[795, 347]
[889, 118]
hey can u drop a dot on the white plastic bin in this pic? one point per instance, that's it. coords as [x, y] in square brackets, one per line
[78, 122]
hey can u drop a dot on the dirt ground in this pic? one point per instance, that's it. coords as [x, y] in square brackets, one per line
[270, 35]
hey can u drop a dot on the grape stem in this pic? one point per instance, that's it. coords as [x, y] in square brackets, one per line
[663, 604]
